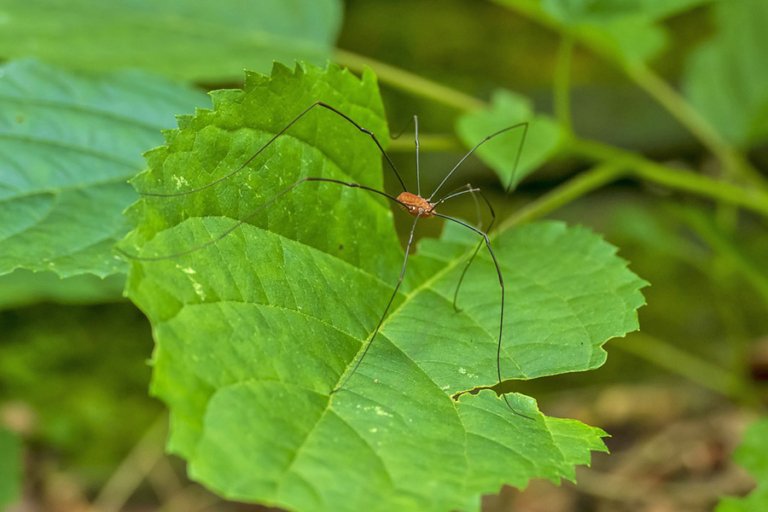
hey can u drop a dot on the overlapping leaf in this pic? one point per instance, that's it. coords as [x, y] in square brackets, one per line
[255, 329]
[68, 143]
[184, 39]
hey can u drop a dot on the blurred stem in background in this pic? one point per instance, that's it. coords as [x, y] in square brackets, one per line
[563, 85]
[755, 200]
[409, 82]
[665, 355]
[734, 164]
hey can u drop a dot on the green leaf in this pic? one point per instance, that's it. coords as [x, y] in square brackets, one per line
[183, 39]
[69, 143]
[625, 30]
[752, 456]
[500, 153]
[255, 329]
[604, 11]
[726, 78]
[10, 468]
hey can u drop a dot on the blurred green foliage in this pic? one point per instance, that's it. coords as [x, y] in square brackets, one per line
[83, 372]
[704, 257]
[10, 467]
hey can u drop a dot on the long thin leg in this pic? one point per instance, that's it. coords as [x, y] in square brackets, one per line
[464, 189]
[254, 213]
[471, 190]
[501, 314]
[416, 141]
[477, 249]
[273, 139]
[523, 125]
[401, 132]
[386, 309]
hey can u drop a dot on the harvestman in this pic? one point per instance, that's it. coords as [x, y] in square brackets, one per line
[415, 204]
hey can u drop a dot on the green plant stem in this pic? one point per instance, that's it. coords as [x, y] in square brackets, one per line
[576, 187]
[562, 89]
[617, 163]
[735, 257]
[699, 371]
[755, 200]
[409, 82]
[700, 127]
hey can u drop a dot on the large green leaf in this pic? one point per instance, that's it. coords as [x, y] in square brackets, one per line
[184, 39]
[501, 152]
[727, 79]
[10, 468]
[68, 143]
[752, 455]
[254, 330]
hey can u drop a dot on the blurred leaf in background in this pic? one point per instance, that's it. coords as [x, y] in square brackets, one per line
[501, 153]
[68, 144]
[186, 40]
[627, 30]
[752, 455]
[727, 78]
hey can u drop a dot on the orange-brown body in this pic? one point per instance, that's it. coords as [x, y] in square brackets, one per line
[416, 205]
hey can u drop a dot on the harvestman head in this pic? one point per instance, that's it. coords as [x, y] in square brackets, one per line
[415, 204]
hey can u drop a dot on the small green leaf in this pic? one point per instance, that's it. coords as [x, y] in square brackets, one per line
[752, 455]
[573, 12]
[726, 78]
[626, 30]
[183, 39]
[255, 329]
[501, 152]
[10, 468]
[69, 144]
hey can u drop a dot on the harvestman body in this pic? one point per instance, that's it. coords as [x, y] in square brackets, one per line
[415, 204]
